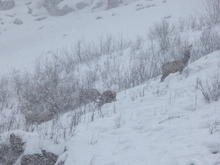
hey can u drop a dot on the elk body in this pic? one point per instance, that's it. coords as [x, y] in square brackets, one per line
[176, 66]
[38, 117]
[88, 95]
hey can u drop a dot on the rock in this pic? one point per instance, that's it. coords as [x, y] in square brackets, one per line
[4, 154]
[97, 5]
[9, 153]
[98, 17]
[52, 7]
[113, 3]
[81, 5]
[16, 144]
[45, 158]
[18, 21]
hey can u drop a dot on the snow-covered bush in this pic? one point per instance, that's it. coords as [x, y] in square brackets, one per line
[163, 34]
[53, 9]
[6, 4]
[210, 90]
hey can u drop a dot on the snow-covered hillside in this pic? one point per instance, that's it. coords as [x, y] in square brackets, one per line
[41, 33]
[80, 82]
[166, 123]
[156, 123]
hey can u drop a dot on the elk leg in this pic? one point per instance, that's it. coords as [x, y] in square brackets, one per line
[163, 77]
[181, 70]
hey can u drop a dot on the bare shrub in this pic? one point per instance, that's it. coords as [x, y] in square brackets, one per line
[50, 90]
[212, 11]
[196, 22]
[5, 93]
[139, 70]
[209, 41]
[163, 34]
[210, 90]
[46, 91]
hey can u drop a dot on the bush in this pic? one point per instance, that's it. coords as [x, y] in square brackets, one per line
[210, 90]
[46, 91]
[209, 41]
[5, 93]
[212, 11]
[163, 34]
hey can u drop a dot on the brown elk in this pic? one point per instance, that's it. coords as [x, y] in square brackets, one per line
[107, 97]
[88, 95]
[176, 66]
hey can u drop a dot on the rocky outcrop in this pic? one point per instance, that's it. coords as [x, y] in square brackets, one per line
[13, 151]
[9, 153]
[45, 158]
[52, 7]
[18, 21]
[113, 3]
[81, 5]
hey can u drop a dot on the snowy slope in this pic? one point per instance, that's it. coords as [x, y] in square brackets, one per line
[167, 123]
[40, 33]
[157, 123]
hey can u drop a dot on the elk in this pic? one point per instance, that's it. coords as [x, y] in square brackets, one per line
[176, 66]
[107, 97]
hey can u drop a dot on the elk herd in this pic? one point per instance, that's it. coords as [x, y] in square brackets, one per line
[85, 96]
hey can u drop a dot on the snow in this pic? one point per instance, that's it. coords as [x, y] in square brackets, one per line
[20, 45]
[166, 123]
[155, 123]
